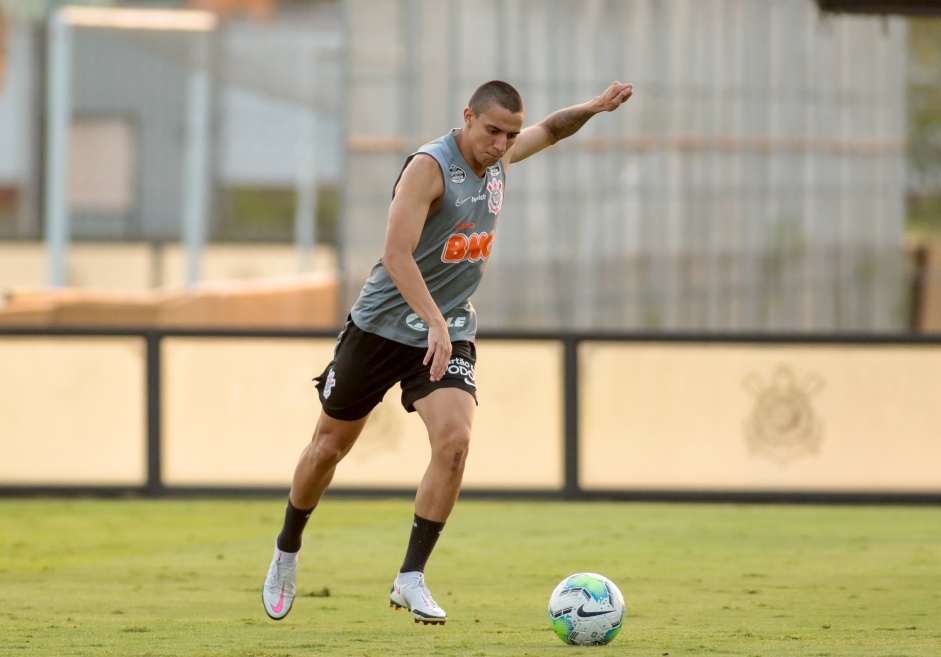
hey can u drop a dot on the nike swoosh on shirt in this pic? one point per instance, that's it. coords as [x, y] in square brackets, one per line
[462, 201]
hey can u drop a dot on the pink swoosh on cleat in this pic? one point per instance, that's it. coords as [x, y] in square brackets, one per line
[277, 608]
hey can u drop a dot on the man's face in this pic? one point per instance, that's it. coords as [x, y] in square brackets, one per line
[492, 132]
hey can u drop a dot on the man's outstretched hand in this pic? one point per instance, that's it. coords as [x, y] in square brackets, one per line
[614, 96]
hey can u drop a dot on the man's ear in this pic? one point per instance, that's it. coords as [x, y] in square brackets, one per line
[468, 115]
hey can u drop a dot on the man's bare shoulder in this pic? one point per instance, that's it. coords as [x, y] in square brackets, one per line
[424, 164]
[423, 171]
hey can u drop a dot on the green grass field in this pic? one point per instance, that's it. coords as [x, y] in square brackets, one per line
[183, 577]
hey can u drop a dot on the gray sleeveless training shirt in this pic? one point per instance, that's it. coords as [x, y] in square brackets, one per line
[454, 246]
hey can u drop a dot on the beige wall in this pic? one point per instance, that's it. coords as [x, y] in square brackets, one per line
[137, 266]
[72, 411]
[652, 416]
[238, 412]
[724, 417]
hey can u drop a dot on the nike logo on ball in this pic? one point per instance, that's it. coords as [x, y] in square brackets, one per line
[581, 613]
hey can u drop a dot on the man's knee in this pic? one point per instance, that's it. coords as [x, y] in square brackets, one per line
[452, 445]
[327, 449]
[332, 440]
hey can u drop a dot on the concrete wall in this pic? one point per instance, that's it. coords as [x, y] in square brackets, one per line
[779, 417]
[653, 416]
[72, 411]
[238, 413]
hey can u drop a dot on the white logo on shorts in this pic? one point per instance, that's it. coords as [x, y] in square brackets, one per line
[460, 367]
[328, 386]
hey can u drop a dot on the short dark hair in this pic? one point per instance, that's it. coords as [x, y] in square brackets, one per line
[496, 92]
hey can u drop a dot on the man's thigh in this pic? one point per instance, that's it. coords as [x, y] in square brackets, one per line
[446, 411]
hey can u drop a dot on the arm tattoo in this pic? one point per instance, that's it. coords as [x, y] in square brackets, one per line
[566, 122]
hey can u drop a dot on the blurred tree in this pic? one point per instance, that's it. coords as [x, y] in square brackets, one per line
[924, 126]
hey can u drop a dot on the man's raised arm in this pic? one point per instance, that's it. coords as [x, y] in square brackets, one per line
[566, 122]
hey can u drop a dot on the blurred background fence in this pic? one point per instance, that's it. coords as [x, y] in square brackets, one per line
[757, 181]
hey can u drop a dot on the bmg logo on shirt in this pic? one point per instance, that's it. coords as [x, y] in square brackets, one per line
[460, 247]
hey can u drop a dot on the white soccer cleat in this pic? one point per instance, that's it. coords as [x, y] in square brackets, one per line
[278, 593]
[409, 592]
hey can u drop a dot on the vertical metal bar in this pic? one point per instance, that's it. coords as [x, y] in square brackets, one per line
[564, 312]
[154, 484]
[59, 46]
[344, 219]
[571, 488]
[196, 160]
[305, 214]
[453, 54]
[410, 74]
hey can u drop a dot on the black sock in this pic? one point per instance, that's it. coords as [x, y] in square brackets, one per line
[289, 540]
[425, 534]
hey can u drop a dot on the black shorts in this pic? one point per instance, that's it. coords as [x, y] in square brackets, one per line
[366, 365]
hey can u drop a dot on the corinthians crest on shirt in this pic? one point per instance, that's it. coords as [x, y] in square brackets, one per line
[495, 199]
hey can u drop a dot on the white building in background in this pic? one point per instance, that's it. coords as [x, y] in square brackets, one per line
[271, 82]
[18, 134]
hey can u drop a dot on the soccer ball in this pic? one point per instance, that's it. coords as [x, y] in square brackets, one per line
[586, 609]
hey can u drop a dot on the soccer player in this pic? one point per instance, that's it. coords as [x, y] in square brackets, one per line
[414, 324]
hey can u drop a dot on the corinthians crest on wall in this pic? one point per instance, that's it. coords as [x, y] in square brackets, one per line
[783, 425]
